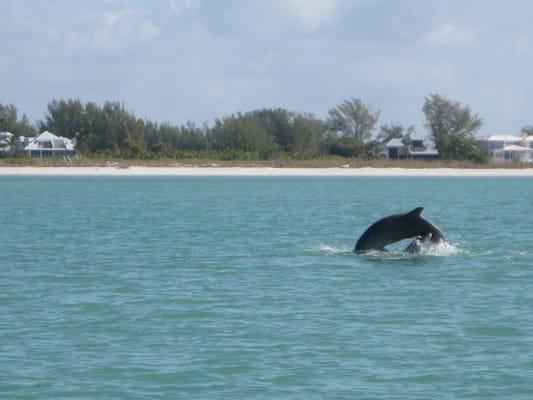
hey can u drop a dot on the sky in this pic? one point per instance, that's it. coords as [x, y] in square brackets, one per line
[178, 60]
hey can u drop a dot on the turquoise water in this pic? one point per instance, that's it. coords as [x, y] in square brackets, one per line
[246, 288]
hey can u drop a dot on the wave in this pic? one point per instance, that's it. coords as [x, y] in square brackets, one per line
[443, 249]
[329, 249]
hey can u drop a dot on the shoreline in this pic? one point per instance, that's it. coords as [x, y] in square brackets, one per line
[261, 171]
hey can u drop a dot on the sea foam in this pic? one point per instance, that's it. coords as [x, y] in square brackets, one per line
[442, 249]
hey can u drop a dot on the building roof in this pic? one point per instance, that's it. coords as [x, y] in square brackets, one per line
[49, 141]
[504, 138]
[395, 142]
[5, 138]
[417, 136]
[46, 135]
[516, 148]
[427, 152]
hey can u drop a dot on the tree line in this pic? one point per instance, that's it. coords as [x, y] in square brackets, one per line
[348, 131]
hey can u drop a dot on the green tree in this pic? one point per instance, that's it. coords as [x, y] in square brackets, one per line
[292, 132]
[527, 130]
[344, 147]
[241, 132]
[452, 127]
[110, 129]
[24, 128]
[132, 149]
[63, 117]
[276, 123]
[307, 133]
[390, 131]
[10, 122]
[192, 138]
[8, 118]
[354, 119]
[160, 150]
[371, 149]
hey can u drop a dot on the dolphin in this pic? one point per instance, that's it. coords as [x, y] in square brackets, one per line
[398, 227]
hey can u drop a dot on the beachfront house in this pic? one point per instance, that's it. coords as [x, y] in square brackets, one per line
[395, 149]
[48, 145]
[22, 142]
[410, 147]
[507, 148]
[6, 142]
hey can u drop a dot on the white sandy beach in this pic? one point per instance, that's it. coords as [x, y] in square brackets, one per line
[259, 171]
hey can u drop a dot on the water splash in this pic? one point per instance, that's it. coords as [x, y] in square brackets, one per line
[441, 249]
[328, 249]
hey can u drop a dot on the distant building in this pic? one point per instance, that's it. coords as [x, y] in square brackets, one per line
[409, 147]
[47, 145]
[22, 142]
[507, 148]
[395, 149]
[6, 142]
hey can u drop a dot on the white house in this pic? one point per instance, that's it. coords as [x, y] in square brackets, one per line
[395, 149]
[418, 148]
[6, 142]
[49, 145]
[507, 148]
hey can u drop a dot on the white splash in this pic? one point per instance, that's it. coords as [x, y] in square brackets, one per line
[325, 248]
[441, 249]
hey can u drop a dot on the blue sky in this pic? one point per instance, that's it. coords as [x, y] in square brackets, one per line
[197, 60]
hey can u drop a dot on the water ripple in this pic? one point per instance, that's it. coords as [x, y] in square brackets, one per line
[248, 288]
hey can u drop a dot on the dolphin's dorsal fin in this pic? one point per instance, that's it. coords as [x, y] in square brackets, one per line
[415, 213]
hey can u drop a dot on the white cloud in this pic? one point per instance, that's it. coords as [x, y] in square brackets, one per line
[76, 40]
[179, 6]
[444, 72]
[119, 29]
[311, 15]
[407, 72]
[148, 31]
[450, 34]
[521, 45]
[512, 99]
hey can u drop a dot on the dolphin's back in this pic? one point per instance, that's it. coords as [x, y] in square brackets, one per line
[395, 228]
[379, 234]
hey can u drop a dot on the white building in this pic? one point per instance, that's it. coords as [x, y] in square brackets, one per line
[6, 142]
[418, 148]
[507, 148]
[48, 145]
[395, 149]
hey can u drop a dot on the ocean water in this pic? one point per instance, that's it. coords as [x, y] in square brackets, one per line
[247, 288]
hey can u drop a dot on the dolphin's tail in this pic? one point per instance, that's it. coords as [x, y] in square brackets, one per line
[416, 245]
